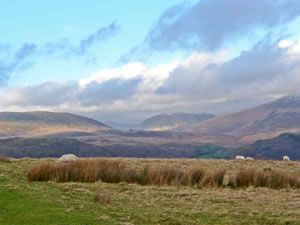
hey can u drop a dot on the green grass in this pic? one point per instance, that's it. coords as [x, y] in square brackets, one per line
[40, 203]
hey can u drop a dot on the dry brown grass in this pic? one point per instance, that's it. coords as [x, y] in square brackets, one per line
[116, 171]
[88, 171]
[4, 159]
[213, 178]
[271, 179]
[113, 171]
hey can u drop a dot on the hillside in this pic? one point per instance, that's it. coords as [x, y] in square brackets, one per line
[262, 122]
[55, 147]
[173, 122]
[275, 148]
[31, 124]
[48, 147]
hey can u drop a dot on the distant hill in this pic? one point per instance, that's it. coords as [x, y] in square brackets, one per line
[262, 122]
[173, 122]
[55, 147]
[31, 124]
[48, 147]
[275, 148]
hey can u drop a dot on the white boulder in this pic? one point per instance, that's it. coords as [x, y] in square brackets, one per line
[286, 158]
[68, 158]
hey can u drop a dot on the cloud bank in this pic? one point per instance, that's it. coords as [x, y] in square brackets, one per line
[204, 82]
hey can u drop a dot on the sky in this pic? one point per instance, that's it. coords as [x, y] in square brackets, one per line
[124, 61]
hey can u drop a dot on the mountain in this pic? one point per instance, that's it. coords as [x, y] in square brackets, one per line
[262, 122]
[40, 123]
[173, 122]
[275, 148]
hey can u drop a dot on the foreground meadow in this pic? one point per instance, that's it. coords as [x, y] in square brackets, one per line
[23, 202]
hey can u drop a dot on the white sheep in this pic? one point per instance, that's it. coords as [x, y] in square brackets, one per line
[239, 157]
[250, 159]
[68, 158]
[286, 158]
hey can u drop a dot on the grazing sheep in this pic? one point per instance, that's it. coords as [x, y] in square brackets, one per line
[68, 158]
[239, 157]
[250, 158]
[286, 158]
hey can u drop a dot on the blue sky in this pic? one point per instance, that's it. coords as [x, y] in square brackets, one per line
[126, 60]
[40, 22]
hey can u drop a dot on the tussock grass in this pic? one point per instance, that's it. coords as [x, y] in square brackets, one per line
[4, 159]
[113, 171]
[272, 179]
[88, 171]
[213, 178]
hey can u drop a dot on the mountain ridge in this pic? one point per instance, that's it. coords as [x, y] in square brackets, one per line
[39, 123]
[261, 122]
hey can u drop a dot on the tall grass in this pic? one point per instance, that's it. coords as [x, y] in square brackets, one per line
[113, 171]
[272, 179]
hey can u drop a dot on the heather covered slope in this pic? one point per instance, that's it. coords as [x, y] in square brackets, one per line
[31, 124]
[262, 122]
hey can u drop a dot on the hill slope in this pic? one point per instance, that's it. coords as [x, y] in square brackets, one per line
[174, 122]
[30, 124]
[262, 122]
[275, 148]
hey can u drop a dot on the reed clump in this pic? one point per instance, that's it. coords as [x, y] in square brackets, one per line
[270, 179]
[113, 171]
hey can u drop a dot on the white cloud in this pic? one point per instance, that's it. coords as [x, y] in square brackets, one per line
[203, 82]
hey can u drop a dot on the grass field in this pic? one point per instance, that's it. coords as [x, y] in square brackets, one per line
[39, 203]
